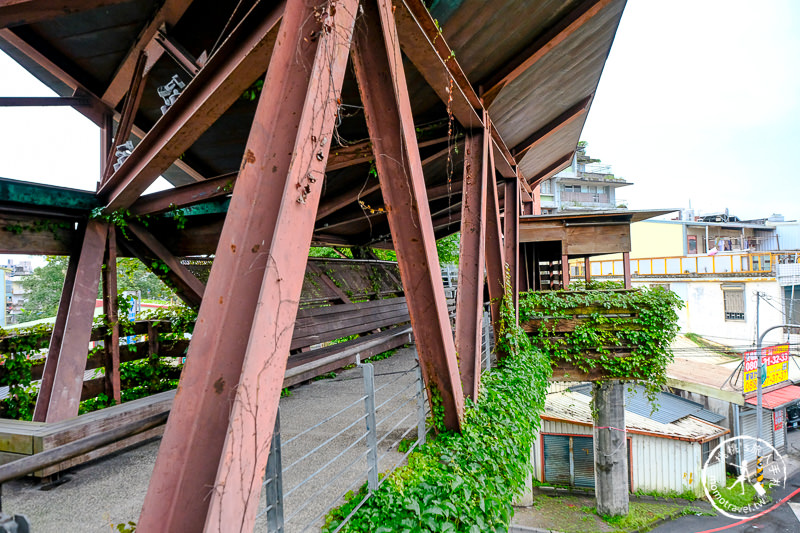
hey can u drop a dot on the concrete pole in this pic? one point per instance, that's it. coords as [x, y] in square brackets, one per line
[610, 449]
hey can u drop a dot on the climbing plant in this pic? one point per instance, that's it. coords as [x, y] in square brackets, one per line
[639, 323]
[465, 482]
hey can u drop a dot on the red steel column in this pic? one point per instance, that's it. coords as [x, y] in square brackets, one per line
[587, 270]
[511, 233]
[469, 302]
[382, 83]
[494, 244]
[65, 393]
[211, 461]
[51, 361]
[565, 272]
[626, 269]
[111, 311]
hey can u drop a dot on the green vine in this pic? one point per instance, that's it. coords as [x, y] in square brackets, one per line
[624, 333]
[465, 482]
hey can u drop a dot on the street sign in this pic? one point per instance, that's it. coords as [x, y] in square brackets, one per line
[776, 363]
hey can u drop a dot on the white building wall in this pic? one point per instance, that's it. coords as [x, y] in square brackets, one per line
[668, 465]
[704, 311]
[658, 464]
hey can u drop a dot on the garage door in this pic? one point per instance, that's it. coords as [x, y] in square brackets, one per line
[569, 460]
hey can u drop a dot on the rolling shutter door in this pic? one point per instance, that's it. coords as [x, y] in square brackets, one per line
[583, 461]
[556, 459]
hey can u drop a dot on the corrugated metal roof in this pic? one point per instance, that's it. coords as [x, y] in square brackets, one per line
[574, 407]
[777, 398]
[670, 407]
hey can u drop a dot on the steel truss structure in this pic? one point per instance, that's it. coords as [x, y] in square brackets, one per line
[263, 177]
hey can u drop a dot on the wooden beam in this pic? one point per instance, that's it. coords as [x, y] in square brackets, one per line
[560, 122]
[241, 59]
[377, 61]
[543, 44]
[184, 195]
[469, 301]
[168, 14]
[211, 460]
[189, 288]
[19, 12]
[560, 164]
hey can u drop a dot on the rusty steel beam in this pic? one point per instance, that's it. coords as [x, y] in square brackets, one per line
[184, 196]
[110, 309]
[511, 238]
[240, 60]
[61, 399]
[469, 301]
[426, 48]
[168, 14]
[94, 112]
[128, 115]
[177, 52]
[44, 101]
[188, 287]
[51, 362]
[560, 122]
[494, 247]
[98, 111]
[19, 12]
[541, 46]
[565, 272]
[558, 165]
[381, 80]
[345, 199]
[212, 457]
[587, 270]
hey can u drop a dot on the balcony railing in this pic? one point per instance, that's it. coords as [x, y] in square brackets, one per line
[756, 263]
[584, 197]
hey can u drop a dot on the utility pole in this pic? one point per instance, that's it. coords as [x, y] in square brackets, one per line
[759, 466]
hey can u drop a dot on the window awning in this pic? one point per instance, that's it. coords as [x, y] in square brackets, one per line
[777, 398]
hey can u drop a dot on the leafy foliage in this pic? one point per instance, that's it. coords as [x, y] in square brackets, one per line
[466, 481]
[647, 331]
[43, 286]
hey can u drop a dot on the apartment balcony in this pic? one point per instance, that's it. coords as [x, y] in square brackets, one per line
[741, 264]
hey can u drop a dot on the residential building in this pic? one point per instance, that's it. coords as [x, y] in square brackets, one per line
[583, 186]
[680, 429]
[5, 294]
[730, 274]
[15, 293]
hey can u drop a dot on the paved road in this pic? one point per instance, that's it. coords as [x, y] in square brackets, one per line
[779, 518]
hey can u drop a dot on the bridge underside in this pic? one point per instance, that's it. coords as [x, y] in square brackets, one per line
[362, 124]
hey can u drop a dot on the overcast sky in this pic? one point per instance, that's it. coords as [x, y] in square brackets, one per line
[698, 101]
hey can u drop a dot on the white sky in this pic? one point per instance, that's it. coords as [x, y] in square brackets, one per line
[698, 101]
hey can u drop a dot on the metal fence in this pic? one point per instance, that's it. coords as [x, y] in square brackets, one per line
[369, 428]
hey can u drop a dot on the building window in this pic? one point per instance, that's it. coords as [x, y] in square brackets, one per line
[572, 188]
[547, 187]
[733, 296]
[708, 447]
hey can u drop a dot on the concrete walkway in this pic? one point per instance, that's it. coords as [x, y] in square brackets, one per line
[111, 490]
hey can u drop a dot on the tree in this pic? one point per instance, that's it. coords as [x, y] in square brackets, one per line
[45, 284]
[43, 289]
